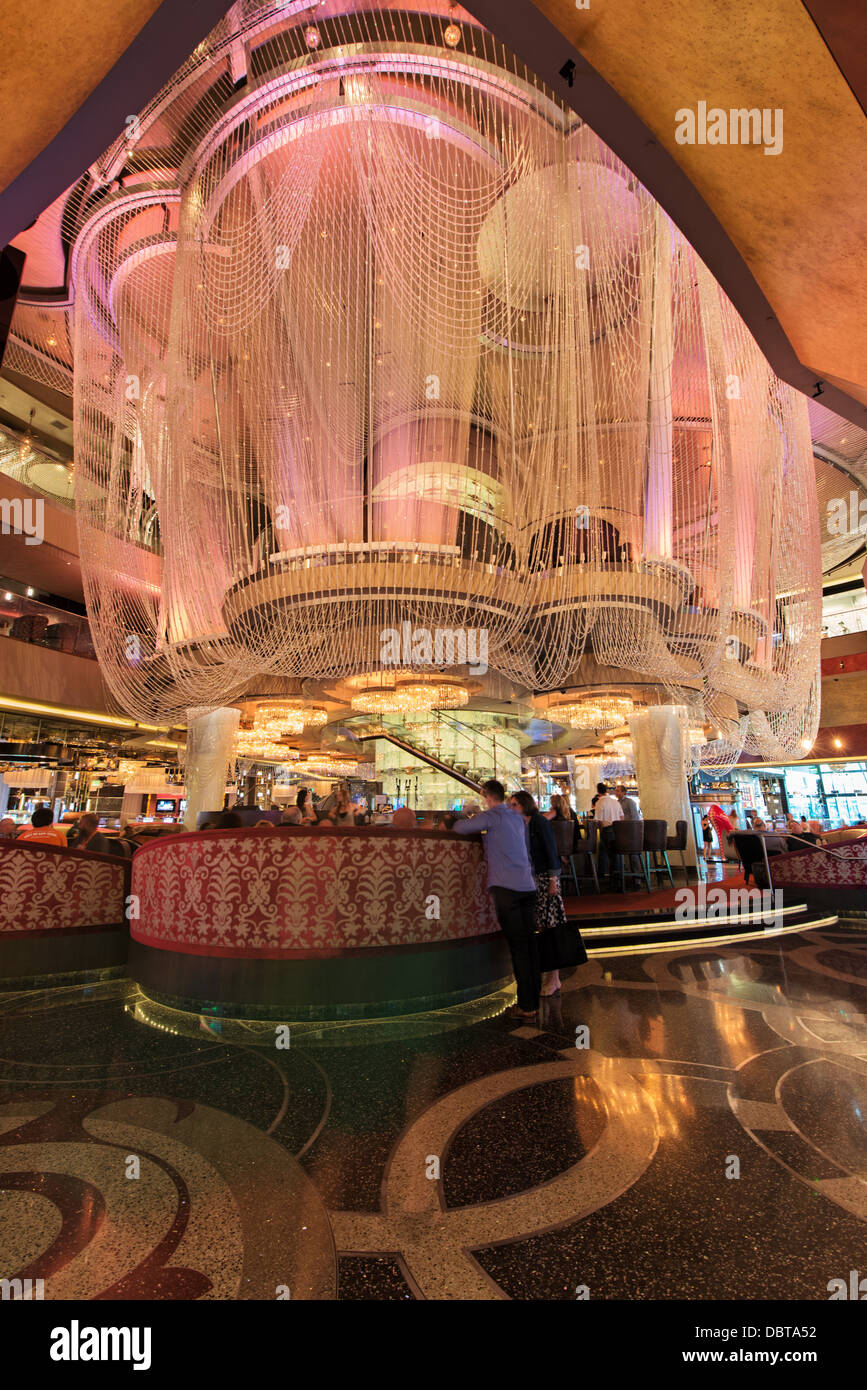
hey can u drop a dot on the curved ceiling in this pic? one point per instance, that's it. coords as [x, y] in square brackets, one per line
[784, 234]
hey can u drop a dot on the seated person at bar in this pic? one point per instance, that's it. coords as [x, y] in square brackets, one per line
[89, 836]
[340, 811]
[292, 816]
[404, 819]
[7, 828]
[513, 889]
[304, 802]
[42, 830]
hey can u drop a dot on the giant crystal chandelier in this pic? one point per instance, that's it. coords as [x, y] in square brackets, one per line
[384, 334]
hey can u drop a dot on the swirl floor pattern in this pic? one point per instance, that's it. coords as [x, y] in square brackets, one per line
[704, 1139]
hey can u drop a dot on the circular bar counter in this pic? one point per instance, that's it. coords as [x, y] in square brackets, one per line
[313, 923]
[62, 912]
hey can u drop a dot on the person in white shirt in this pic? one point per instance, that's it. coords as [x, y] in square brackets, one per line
[607, 808]
[605, 812]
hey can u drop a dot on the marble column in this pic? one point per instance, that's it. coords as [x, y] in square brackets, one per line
[210, 737]
[660, 739]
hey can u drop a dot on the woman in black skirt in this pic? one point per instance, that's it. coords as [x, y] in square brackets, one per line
[545, 860]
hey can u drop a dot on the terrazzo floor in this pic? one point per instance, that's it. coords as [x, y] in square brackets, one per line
[708, 1142]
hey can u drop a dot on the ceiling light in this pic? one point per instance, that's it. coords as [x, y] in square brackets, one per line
[312, 37]
[388, 694]
[594, 712]
[620, 747]
[277, 719]
[452, 35]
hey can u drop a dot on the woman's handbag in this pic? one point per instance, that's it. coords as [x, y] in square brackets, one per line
[560, 947]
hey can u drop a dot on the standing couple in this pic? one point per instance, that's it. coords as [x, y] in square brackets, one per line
[524, 881]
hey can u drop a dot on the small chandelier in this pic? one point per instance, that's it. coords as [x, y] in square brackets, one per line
[288, 717]
[316, 766]
[620, 747]
[391, 694]
[255, 745]
[594, 712]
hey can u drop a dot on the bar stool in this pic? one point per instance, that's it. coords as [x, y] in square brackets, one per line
[564, 838]
[677, 844]
[629, 842]
[655, 842]
[584, 855]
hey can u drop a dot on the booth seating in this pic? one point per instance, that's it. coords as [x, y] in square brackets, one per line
[307, 922]
[832, 879]
[62, 911]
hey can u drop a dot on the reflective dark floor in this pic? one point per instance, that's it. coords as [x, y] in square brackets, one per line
[708, 1141]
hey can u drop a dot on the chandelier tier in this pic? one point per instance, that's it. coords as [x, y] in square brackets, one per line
[386, 334]
[594, 712]
[255, 745]
[385, 693]
[288, 718]
[620, 747]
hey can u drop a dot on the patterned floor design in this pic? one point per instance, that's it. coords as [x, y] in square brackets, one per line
[688, 1124]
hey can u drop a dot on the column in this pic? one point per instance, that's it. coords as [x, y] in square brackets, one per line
[210, 738]
[660, 740]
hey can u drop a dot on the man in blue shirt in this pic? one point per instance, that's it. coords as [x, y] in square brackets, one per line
[512, 887]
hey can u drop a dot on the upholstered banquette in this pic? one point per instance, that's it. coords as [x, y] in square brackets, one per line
[830, 878]
[62, 911]
[314, 922]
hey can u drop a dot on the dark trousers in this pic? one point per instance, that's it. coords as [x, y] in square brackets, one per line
[606, 851]
[516, 914]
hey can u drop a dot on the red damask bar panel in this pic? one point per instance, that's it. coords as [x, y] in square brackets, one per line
[273, 893]
[48, 889]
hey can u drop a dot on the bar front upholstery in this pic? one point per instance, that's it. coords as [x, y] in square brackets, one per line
[62, 911]
[324, 923]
